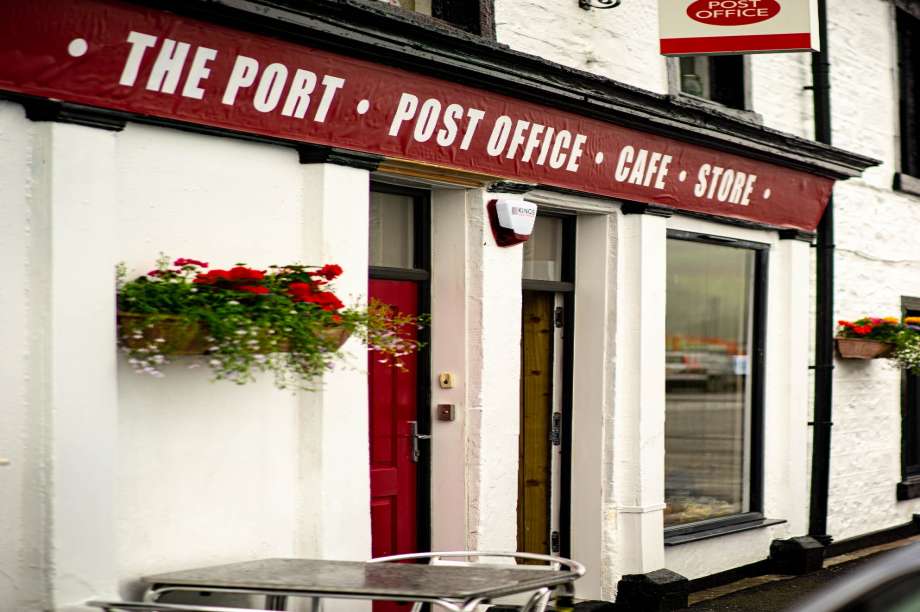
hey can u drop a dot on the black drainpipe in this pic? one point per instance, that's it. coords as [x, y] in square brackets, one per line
[824, 304]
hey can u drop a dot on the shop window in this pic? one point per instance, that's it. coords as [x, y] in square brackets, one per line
[719, 78]
[474, 16]
[543, 252]
[713, 372]
[908, 25]
[909, 487]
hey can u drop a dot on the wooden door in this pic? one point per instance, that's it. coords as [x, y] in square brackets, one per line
[535, 468]
[392, 406]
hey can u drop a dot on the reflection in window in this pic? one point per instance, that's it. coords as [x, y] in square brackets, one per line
[719, 78]
[543, 252]
[708, 399]
[391, 230]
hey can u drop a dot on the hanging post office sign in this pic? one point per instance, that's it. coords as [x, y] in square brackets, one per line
[700, 27]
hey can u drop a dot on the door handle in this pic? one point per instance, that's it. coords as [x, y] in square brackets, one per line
[416, 436]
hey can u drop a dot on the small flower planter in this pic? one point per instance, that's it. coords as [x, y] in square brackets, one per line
[178, 336]
[859, 348]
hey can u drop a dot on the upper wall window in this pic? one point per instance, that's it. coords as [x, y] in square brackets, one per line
[713, 371]
[719, 78]
[474, 16]
[908, 23]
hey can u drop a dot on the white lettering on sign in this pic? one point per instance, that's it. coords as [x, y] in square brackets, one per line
[428, 117]
[272, 84]
[724, 185]
[639, 168]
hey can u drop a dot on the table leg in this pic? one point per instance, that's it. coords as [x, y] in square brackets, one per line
[276, 602]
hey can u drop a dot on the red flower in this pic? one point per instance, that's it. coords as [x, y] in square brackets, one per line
[240, 273]
[253, 289]
[862, 330]
[212, 277]
[329, 271]
[237, 274]
[184, 261]
[299, 291]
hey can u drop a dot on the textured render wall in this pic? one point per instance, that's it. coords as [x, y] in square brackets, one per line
[877, 261]
[207, 471]
[493, 388]
[23, 483]
[620, 43]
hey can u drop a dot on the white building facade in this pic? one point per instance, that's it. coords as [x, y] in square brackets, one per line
[630, 388]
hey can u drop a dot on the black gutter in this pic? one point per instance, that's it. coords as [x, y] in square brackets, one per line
[824, 305]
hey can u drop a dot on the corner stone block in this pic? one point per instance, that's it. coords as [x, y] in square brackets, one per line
[658, 591]
[797, 556]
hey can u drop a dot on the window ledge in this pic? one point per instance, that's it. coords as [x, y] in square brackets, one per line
[716, 530]
[909, 488]
[906, 183]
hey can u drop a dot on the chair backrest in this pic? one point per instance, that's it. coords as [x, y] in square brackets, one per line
[147, 606]
[534, 601]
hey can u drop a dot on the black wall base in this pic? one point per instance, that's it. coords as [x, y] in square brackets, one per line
[658, 591]
[796, 556]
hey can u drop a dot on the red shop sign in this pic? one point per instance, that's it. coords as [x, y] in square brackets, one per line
[115, 55]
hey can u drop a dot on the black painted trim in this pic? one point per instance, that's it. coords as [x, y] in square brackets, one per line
[317, 154]
[421, 274]
[637, 208]
[370, 31]
[510, 187]
[875, 538]
[529, 284]
[717, 530]
[40, 109]
[906, 183]
[909, 488]
[412, 274]
[796, 234]
[569, 238]
[758, 568]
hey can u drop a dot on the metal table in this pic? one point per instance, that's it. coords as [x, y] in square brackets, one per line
[459, 589]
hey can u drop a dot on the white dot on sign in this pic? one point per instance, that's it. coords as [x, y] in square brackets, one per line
[77, 47]
[766, 194]
[599, 157]
[363, 105]
[682, 176]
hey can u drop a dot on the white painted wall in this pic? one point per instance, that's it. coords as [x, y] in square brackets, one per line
[24, 486]
[113, 475]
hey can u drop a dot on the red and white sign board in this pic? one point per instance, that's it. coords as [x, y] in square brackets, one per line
[698, 27]
[116, 55]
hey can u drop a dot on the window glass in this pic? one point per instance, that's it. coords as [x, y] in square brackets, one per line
[391, 230]
[717, 78]
[419, 6]
[710, 291]
[543, 252]
[908, 24]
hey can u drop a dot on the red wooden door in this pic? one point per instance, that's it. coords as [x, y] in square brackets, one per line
[392, 411]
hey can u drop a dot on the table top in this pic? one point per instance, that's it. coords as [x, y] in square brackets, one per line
[361, 579]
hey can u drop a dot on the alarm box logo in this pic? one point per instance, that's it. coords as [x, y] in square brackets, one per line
[732, 12]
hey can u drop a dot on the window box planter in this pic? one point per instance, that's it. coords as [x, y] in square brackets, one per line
[180, 336]
[860, 348]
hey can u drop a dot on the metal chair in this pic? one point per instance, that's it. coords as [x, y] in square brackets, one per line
[126, 606]
[535, 602]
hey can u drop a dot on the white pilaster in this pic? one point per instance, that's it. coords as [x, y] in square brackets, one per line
[592, 400]
[449, 305]
[72, 290]
[638, 432]
[334, 499]
[493, 382]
